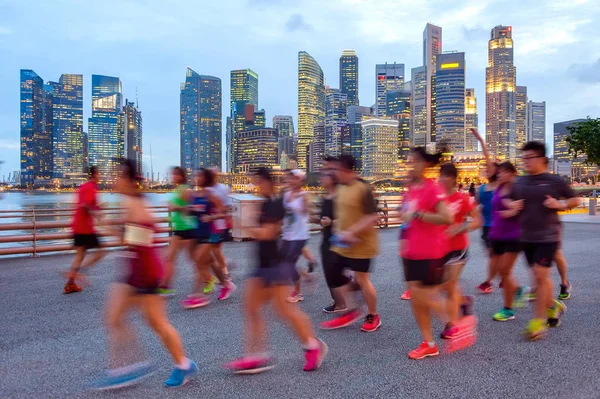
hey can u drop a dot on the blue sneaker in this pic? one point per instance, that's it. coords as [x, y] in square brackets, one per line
[131, 377]
[181, 377]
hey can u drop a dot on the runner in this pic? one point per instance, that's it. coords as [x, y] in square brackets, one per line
[486, 193]
[424, 246]
[561, 265]
[296, 232]
[84, 233]
[505, 235]
[184, 227]
[222, 191]
[538, 198]
[460, 207]
[138, 289]
[269, 284]
[356, 244]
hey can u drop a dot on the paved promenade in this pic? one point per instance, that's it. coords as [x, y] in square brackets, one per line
[52, 345]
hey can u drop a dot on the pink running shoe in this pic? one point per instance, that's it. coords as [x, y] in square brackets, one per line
[195, 301]
[250, 365]
[314, 357]
[450, 332]
[226, 290]
[344, 320]
[295, 297]
[405, 296]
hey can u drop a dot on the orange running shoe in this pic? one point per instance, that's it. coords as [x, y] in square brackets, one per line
[423, 351]
[71, 288]
[405, 296]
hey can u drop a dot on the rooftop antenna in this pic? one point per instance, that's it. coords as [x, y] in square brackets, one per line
[137, 100]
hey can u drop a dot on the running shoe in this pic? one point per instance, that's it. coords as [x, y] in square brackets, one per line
[423, 351]
[532, 296]
[209, 287]
[116, 380]
[485, 288]
[311, 267]
[372, 323]
[250, 365]
[405, 296]
[226, 290]
[343, 321]
[333, 308]
[468, 305]
[195, 301]
[536, 329]
[565, 291]
[555, 313]
[504, 315]
[520, 297]
[71, 288]
[450, 331]
[295, 297]
[180, 377]
[166, 291]
[314, 357]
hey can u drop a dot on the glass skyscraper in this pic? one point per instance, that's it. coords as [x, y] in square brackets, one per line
[69, 144]
[432, 46]
[521, 116]
[418, 113]
[398, 107]
[471, 120]
[536, 121]
[200, 121]
[336, 105]
[349, 76]
[450, 101]
[105, 127]
[133, 134]
[380, 154]
[356, 114]
[311, 103]
[388, 77]
[243, 91]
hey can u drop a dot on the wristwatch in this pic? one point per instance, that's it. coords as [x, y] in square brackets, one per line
[417, 215]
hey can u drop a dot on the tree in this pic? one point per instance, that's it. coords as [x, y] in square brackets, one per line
[584, 139]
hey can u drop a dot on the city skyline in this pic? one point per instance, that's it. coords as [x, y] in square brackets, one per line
[540, 50]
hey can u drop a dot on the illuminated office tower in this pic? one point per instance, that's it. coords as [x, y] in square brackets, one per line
[36, 139]
[536, 121]
[260, 118]
[388, 77]
[380, 153]
[256, 147]
[311, 103]
[450, 101]
[471, 120]
[521, 117]
[565, 163]
[398, 108]
[432, 46]
[243, 91]
[200, 121]
[418, 107]
[336, 105]
[356, 114]
[349, 76]
[285, 131]
[500, 95]
[316, 149]
[68, 139]
[133, 133]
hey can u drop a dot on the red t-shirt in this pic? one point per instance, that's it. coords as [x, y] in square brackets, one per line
[421, 240]
[83, 222]
[459, 205]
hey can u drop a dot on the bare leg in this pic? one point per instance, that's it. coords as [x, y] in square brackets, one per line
[124, 348]
[454, 292]
[76, 264]
[155, 312]
[255, 296]
[203, 260]
[94, 258]
[291, 314]
[561, 265]
[368, 291]
[175, 245]
[220, 258]
[307, 254]
[421, 310]
[506, 263]
[545, 288]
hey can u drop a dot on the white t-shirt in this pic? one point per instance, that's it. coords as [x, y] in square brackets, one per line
[222, 191]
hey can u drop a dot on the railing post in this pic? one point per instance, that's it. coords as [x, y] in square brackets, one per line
[34, 236]
[170, 221]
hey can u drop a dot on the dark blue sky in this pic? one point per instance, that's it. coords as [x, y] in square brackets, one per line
[149, 43]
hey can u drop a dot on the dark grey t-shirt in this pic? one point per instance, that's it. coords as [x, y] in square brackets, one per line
[538, 223]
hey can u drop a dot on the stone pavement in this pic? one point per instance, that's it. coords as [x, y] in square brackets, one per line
[52, 345]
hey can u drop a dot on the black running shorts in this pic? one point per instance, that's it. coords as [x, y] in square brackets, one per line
[540, 253]
[503, 247]
[87, 241]
[429, 272]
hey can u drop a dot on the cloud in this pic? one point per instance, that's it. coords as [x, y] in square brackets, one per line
[474, 33]
[297, 23]
[586, 73]
[9, 145]
[265, 3]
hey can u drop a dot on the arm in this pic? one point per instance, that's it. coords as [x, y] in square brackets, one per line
[267, 232]
[486, 154]
[370, 217]
[441, 216]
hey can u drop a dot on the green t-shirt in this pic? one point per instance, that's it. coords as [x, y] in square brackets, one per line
[181, 220]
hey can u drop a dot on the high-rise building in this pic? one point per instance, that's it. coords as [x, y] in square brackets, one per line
[380, 153]
[36, 138]
[106, 141]
[256, 147]
[243, 91]
[200, 116]
[500, 96]
[284, 125]
[311, 103]
[68, 142]
[336, 117]
[565, 163]
[418, 104]
[432, 46]
[471, 120]
[536, 121]
[388, 77]
[260, 118]
[450, 101]
[356, 114]
[133, 134]
[521, 117]
[398, 107]
[349, 76]
[316, 148]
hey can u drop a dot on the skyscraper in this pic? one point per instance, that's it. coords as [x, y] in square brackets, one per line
[450, 101]
[316, 148]
[336, 105]
[380, 154]
[388, 77]
[311, 103]
[500, 96]
[521, 117]
[243, 91]
[349, 76]
[536, 121]
[565, 163]
[356, 114]
[418, 104]
[260, 118]
[471, 120]
[285, 131]
[256, 147]
[133, 134]
[398, 107]
[106, 141]
[36, 140]
[432, 46]
[201, 104]
[68, 142]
